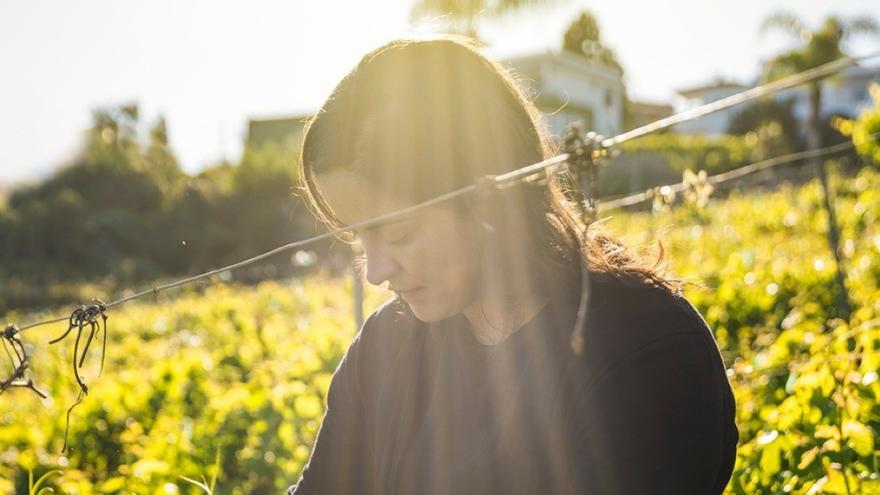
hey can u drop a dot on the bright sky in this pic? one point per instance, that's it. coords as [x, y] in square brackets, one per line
[210, 65]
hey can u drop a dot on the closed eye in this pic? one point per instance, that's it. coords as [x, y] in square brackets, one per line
[397, 235]
[394, 232]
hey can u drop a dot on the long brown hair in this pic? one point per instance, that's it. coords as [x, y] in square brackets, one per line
[420, 117]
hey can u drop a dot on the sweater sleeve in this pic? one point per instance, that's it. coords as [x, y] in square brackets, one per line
[338, 463]
[655, 421]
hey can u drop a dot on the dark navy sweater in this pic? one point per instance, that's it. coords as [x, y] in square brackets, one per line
[416, 408]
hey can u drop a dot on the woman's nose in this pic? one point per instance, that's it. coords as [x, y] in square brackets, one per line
[381, 265]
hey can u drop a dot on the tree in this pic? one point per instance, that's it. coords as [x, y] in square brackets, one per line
[817, 47]
[583, 38]
[113, 203]
[462, 14]
[160, 160]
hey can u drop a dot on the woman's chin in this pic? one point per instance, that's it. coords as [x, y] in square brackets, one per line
[428, 312]
[424, 314]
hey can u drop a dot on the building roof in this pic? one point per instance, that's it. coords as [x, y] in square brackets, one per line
[646, 106]
[529, 63]
[276, 130]
[717, 84]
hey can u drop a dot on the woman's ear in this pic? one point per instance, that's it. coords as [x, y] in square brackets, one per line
[480, 203]
[480, 229]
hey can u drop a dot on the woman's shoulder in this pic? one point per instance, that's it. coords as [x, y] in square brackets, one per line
[391, 318]
[388, 330]
[650, 394]
[631, 318]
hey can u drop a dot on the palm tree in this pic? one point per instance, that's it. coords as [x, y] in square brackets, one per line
[462, 14]
[817, 47]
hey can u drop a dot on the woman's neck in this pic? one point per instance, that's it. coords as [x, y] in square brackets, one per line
[492, 320]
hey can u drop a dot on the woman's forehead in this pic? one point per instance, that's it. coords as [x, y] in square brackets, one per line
[354, 199]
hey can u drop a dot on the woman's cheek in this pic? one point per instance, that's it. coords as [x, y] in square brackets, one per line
[429, 260]
[412, 259]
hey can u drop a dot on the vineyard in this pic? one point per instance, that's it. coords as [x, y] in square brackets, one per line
[230, 381]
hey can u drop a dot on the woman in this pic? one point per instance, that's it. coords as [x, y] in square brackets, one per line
[465, 382]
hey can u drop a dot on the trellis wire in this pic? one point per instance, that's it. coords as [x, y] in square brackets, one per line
[641, 197]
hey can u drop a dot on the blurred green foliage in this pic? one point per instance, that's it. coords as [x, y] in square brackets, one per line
[695, 151]
[767, 114]
[659, 159]
[865, 129]
[125, 208]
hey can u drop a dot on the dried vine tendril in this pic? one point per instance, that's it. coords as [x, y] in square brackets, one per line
[82, 317]
[20, 364]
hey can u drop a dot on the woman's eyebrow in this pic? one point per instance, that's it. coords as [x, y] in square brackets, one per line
[386, 223]
[395, 221]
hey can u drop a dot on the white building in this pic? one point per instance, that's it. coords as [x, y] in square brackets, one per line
[713, 124]
[567, 87]
[846, 95]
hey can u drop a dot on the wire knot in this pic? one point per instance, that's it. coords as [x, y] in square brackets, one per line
[80, 318]
[20, 362]
[585, 153]
[486, 186]
[89, 314]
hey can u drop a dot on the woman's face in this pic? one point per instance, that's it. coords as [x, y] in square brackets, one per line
[430, 257]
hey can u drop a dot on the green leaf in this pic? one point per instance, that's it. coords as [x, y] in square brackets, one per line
[807, 458]
[859, 437]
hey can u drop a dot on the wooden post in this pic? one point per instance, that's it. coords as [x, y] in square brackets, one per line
[833, 235]
[814, 139]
